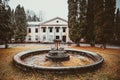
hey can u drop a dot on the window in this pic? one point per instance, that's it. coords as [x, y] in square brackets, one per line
[29, 38]
[44, 38]
[44, 30]
[57, 29]
[36, 37]
[57, 37]
[57, 21]
[50, 29]
[29, 30]
[64, 29]
[64, 38]
[36, 30]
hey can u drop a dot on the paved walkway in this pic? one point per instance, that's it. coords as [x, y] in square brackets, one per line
[63, 45]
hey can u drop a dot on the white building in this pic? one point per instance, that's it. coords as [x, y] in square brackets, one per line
[56, 28]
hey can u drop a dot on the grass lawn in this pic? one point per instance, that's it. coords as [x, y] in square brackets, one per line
[109, 71]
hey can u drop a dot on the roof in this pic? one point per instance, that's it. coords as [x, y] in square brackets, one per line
[54, 19]
[33, 23]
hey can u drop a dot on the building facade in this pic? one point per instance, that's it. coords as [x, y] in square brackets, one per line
[56, 28]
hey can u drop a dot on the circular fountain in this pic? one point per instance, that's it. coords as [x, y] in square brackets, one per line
[58, 60]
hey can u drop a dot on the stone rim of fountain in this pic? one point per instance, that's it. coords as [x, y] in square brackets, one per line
[17, 61]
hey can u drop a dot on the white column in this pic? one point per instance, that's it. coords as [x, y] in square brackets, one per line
[54, 32]
[47, 33]
[61, 30]
[67, 34]
[39, 33]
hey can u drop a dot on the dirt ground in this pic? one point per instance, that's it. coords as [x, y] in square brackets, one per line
[109, 71]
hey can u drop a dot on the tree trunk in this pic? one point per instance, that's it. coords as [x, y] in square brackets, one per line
[77, 44]
[103, 46]
[92, 44]
[6, 44]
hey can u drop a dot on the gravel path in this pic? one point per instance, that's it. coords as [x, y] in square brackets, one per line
[63, 45]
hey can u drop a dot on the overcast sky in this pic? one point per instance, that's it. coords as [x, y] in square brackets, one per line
[50, 8]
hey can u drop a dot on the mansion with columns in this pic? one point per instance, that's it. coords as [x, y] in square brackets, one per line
[56, 28]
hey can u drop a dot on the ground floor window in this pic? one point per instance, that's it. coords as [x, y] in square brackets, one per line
[29, 38]
[36, 38]
[44, 38]
[64, 38]
[57, 37]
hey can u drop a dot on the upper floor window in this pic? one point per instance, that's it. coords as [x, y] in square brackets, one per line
[64, 29]
[29, 30]
[50, 29]
[36, 30]
[57, 29]
[44, 29]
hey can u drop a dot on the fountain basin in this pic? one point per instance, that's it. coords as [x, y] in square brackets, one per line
[19, 61]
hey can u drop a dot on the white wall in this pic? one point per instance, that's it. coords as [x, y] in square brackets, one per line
[50, 36]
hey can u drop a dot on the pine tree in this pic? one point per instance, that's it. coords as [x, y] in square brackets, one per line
[90, 23]
[77, 19]
[5, 27]
[72, 22]
[104, 20]
[98, 19]
[35, 18]
[82, 19]
[31, 16]
[108, 21]
[117, 26]
[21, 24]
[10, 28]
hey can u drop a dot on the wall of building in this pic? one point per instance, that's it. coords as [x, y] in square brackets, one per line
[47, 31]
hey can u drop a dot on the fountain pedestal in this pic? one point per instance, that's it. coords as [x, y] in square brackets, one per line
[57, 54]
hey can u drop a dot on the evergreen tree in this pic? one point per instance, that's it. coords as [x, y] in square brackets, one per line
[31, 16]
[108, 21]
[104, 20]
[82, 19]
[35, 18]
[98, 20]
[117, 26]
[21, 24]
[72, 21]
[90, 23]
[77, 20]
[6, 28]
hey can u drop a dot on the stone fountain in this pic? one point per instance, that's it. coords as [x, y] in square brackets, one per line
[58, 60]
[57, 54]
